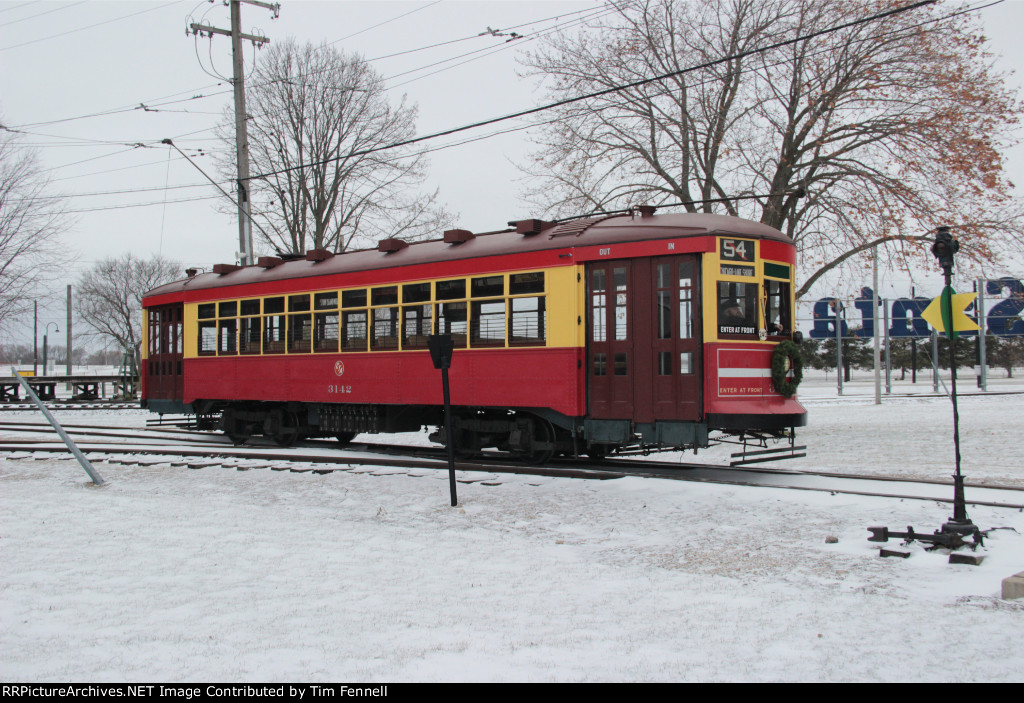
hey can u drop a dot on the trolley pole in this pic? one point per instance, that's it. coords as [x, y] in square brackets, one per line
[944, 249]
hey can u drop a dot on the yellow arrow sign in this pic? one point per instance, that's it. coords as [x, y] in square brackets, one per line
[961, 323]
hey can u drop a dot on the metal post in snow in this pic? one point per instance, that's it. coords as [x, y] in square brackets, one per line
[944, 248]
[935, 361]
[441, 348]
[839, 349]
[888, 356]
[96, 478]
[982, 352]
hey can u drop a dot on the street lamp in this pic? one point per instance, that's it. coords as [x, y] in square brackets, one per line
[55, 329]
[944, 248]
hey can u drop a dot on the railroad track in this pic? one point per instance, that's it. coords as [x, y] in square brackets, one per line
[204, 449]
[27, 405]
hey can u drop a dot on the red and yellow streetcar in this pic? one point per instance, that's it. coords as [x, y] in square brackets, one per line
[590, 335]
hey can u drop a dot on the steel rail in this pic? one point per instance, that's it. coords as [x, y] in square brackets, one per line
[495, 466]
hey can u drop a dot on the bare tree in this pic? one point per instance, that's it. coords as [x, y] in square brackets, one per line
[109, 295]
[314, 112]
[848, 139]
[31, 221]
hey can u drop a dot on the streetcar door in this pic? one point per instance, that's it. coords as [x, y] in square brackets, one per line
[164, 374]
[675, 341]
[643, 339]
[610, 345]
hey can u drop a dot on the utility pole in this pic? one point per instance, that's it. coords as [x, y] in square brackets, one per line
[241, 131]
[874, 318]
[35, 337]
[69, 335]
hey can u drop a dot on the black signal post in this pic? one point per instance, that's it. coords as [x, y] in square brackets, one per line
[441, 348]
[944, 248]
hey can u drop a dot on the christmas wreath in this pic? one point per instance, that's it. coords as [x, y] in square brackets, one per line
[785, 357]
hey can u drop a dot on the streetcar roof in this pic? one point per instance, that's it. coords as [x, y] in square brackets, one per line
[575, 233]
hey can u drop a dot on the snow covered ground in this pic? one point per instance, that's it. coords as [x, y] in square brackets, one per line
[170, 574]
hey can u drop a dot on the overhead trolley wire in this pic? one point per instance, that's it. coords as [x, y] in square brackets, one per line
[153, 104]
[32, 17]
[607, 91]
[91, 26]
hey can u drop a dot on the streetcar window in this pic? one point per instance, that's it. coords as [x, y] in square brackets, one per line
[664, 363]
[273, 305]
[227, 336]
[416, 325]
[325, 301]
[249, 334]
[686, 363]
[621, 328]
[299, 333]
[274, 331]
[415, 292]
[737, 308]
[488, 286]
[621, 367]
[207, 310]
[487, 328]
[599, 303]
[353, 329]
[387, 295]
[600, 364]
[686, 300]
[250, 307]
[451, 319]
[298, 303]
[451, 290]
[520, 283]
[528, 321]
[353, 298]
[385, 328]
[207, 338]
[325, 331]
[777, 317]
[228, 309]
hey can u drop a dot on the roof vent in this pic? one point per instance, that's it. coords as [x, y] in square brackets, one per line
[458, 236]
[532, 227]
[319, 255]
[646, 210]
[391, 245]
[191, 273]
[221, 269]
[269, 262]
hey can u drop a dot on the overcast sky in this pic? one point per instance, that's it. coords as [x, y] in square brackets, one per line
[73, 76]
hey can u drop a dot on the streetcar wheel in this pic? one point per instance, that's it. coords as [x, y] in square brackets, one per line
[543, 434]
[345, 438]
[235, 430]
[285, 427]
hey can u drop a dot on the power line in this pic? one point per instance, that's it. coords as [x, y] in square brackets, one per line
[131, 205]
[380, 24]
[477, 36]
[153, 104]
[56, 9]
[577, 99]
[613, 89]
[24, 4]
[82, 29]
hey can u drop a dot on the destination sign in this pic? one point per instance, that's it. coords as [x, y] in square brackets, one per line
[737, 250]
